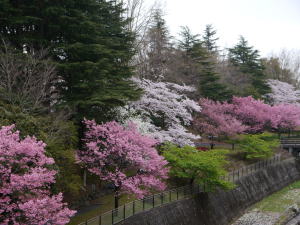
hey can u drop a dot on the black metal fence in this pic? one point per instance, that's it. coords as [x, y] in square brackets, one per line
[246, 170]
[121, 213]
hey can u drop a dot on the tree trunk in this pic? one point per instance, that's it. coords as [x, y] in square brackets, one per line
[84, 177]
[117, 197]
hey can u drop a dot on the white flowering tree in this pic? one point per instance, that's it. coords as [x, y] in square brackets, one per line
[164, 111]
[283, 92]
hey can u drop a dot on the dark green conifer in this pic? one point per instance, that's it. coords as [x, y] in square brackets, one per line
[208, 80]
[89, 41]
[209, 40]
[249, 62]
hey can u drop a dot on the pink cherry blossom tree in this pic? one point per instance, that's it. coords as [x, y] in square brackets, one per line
[285, 117]
[25, 179]
[123, 156]
[245, 114]
[255, 114]
[216, 119]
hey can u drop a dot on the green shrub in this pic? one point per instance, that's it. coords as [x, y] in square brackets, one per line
[258, 146]
[202, 167]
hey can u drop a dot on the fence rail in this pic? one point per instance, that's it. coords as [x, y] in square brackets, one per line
[123, 212]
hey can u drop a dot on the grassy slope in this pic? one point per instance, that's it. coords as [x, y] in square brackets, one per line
[279, 201]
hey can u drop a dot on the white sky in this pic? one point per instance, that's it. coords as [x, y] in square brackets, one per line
[268, 25]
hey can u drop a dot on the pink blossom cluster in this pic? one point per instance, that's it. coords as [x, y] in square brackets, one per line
[25, 180]
[245, 114]
[216, 119]
[121, 155]
[255, 114]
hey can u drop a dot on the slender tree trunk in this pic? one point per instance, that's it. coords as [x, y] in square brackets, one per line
[212, 143]
[84, 177]
[117, 197]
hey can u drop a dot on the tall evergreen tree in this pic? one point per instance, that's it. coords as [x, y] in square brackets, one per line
[88, 40]
[188, 40]
[197, 55]
[248, 61]
[209, 84]
[209, 39]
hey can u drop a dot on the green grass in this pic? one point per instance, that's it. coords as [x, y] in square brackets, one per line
[279, 201]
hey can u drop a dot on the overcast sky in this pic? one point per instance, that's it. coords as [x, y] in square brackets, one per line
[268, 25]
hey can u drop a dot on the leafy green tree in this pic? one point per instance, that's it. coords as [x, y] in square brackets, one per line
[248, 61]
[89, 41]
[258, 146]
[209, 39]
[202, 167]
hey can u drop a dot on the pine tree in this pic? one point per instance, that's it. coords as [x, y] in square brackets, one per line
[248, 61]
[188, 40]
[209, 84]
[89, 41]
[209, 40]
[208, 80]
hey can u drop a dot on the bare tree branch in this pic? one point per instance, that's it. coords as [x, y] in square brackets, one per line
[26, 79]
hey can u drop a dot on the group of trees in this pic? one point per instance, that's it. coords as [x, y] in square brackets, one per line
[245, 115]
[59, 61]
[218, 74]
[139, 90]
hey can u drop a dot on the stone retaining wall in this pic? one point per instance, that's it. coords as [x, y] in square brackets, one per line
[220, 208]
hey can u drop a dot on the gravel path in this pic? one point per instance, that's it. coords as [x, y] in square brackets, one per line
[257, 218]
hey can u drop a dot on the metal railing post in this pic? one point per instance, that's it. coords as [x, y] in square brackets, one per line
[124, 213]
[100, 220]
